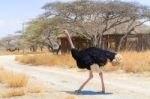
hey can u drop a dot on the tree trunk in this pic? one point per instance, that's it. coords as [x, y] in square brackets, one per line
[100, 38]
[123, 39]
[41, 48]
[50, 49]
[121, 43]
[96, 41]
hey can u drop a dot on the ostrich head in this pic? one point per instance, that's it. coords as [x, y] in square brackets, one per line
[117, 60]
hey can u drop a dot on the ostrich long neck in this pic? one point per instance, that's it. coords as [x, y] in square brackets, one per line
[70, 41]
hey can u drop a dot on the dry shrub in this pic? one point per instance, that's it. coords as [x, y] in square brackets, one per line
[136, 61]
[47, 59]
[13, 79]
[132, 61]
[17, 80]
[13, 92]
[108, 67]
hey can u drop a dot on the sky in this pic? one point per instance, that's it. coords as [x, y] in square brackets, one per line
[13, 13]
[16, 12]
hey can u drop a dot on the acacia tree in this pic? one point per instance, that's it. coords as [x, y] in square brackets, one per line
[42, 32]
[11, 42]
[92, 19]
[32, 34]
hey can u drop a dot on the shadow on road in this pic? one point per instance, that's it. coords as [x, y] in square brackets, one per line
[87, 92]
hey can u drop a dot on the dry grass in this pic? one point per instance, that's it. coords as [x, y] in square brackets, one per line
[13, 79]
[21, 91]
[132, 61]
[136, 61]
[108, 67]
[48, 59]
[17, 84]
[19, 80]
[13, 92]
[71, 97]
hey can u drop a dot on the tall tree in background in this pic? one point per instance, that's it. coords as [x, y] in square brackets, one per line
[92, 19]
[43, 32]
[11, 42]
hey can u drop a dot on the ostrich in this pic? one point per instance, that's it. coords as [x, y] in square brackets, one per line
[87, 58]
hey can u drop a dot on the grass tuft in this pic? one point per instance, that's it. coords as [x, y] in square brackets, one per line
[13, 92]
[17, 84]
[13, 79]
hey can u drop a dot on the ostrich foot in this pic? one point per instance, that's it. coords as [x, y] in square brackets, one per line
[103, 91]
[77, 91]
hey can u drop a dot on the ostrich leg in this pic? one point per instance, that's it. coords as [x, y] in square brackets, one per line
[82, 86]
[102, 82]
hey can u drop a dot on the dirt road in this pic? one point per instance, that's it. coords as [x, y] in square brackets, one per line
[119, 85]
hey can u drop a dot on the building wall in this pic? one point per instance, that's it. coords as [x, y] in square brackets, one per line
[79, 43]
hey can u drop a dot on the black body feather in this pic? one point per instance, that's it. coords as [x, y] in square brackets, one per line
[85, 58]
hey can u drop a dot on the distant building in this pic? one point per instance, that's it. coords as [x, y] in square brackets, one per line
[136, 41]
